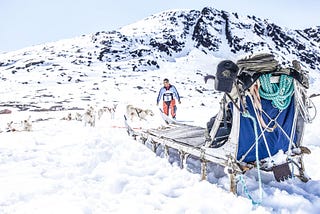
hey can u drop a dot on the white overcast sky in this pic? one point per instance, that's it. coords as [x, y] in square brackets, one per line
[25, 23]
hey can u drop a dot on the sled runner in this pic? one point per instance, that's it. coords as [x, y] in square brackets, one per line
[260, 123]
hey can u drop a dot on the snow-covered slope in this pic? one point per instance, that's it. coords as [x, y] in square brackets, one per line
[127, 67]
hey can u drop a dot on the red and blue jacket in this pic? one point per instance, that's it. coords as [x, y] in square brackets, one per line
[168, 93]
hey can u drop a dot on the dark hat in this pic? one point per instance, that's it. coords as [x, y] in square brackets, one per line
[227, 69]
[227, 72]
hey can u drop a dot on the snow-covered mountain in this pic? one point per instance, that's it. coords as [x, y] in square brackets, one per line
[151, 43]
[172, 34]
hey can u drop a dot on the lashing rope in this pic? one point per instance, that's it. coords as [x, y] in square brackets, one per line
[246, 191]
[279, 94]
[246, 114]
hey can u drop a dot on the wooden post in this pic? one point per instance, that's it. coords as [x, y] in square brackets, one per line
[154, 146]
[185, 159]
[166, 152]
[142, 140]
[302, 176]
[233, 183]
[203, 169]
[181, 159]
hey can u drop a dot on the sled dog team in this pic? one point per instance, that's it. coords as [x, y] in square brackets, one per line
[90, 114]
[168, 94]
[88, 117]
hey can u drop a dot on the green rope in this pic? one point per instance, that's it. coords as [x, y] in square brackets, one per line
[279, 94]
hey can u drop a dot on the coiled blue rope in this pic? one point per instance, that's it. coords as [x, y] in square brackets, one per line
[279, 94]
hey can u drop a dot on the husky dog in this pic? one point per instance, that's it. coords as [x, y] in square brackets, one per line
[112, 110]
[10, 128]
[89, 117]
[134, 112]
[101, 111]
[78, 116]
[27, 124]
[109, 109]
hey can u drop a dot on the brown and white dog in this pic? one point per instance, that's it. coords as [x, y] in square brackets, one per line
[138, 113]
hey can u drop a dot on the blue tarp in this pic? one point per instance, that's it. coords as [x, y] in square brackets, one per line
[276, 140]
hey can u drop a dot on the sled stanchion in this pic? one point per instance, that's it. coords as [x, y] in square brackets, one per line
[182, 157]
[143, 140]
[154, 146]
[233, 183]
[300, 165]
[203, 165]
[166, 152]
[302, 175]
[185, 159]
[231, 171]
[149, 143]
[203, 169]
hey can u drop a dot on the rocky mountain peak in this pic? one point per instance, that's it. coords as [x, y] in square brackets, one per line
[167, 36]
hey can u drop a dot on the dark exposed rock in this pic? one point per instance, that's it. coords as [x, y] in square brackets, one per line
[212, 31]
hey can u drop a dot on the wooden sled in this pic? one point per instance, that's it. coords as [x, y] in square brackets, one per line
[245, 134]
[190, 140]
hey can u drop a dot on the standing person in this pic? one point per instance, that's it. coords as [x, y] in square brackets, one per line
[167, 93]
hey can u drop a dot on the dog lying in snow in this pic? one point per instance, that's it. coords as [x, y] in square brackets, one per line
[138, 113]
[10, 128]
[76, 116]
[68, 117]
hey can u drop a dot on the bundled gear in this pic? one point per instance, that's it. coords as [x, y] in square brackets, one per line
[268, 106]
[255, 65]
